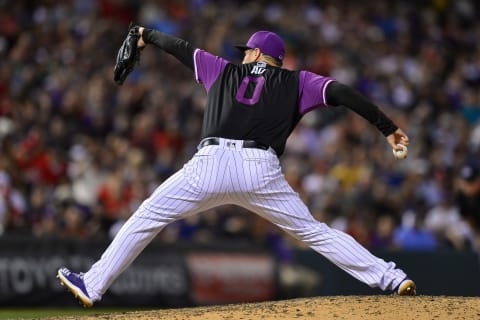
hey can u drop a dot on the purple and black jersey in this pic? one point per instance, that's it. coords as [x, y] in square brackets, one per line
[256, 101]
[260, 102]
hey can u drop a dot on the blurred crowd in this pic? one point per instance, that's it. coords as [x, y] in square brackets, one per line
[79, 153]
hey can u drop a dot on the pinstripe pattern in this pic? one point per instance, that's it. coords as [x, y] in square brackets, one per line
[251, 178]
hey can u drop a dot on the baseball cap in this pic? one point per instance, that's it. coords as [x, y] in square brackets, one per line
[268, 42]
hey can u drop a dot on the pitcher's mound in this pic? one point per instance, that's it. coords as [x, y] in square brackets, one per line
[325, 308]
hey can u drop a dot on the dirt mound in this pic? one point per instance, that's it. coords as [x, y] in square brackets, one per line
[338, 307]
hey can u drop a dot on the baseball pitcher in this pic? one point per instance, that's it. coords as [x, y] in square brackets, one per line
[251, 110]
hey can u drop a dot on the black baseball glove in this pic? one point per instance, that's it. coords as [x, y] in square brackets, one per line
[128, 55]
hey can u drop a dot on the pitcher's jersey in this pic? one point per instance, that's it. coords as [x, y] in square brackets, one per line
[255, 101]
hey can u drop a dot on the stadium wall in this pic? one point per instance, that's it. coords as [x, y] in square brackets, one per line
[186, 275]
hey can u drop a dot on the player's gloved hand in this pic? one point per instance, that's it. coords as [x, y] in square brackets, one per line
[128, 55]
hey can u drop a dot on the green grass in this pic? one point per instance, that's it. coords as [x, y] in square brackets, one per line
[39, 313]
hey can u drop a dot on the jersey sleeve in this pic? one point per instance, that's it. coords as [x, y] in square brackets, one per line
[207, 67]
[312, 91]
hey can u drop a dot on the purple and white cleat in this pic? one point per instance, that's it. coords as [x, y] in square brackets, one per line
[74, 283]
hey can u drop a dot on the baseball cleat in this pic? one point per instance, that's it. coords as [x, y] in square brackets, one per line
[74, 283]
[406, 288]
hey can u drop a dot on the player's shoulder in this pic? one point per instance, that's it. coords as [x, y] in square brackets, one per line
[285, 73]
[206, 56]
[311, 76]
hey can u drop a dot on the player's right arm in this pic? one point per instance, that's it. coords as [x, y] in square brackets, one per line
[341, 94]
[179, 48]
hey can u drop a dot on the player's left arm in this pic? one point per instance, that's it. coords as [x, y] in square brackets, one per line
[207, 67]
[179, 48]
[340, 94]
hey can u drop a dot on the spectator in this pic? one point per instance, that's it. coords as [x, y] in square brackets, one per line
[468, 198]
[13, 206]
[410, 235]
[445, 222]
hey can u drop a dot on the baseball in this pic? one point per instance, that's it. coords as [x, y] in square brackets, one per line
[400, 154]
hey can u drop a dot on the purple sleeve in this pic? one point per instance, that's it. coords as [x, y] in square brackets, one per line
[312, 91]
[207, 67]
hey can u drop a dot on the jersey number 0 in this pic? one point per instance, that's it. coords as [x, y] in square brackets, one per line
[258, 82]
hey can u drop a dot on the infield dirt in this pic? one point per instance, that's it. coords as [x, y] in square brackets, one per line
[324, 308]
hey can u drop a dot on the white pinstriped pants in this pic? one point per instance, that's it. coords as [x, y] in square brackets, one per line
[251, 178]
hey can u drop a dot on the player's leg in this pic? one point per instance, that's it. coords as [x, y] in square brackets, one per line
[189, 191]
[266, 192]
